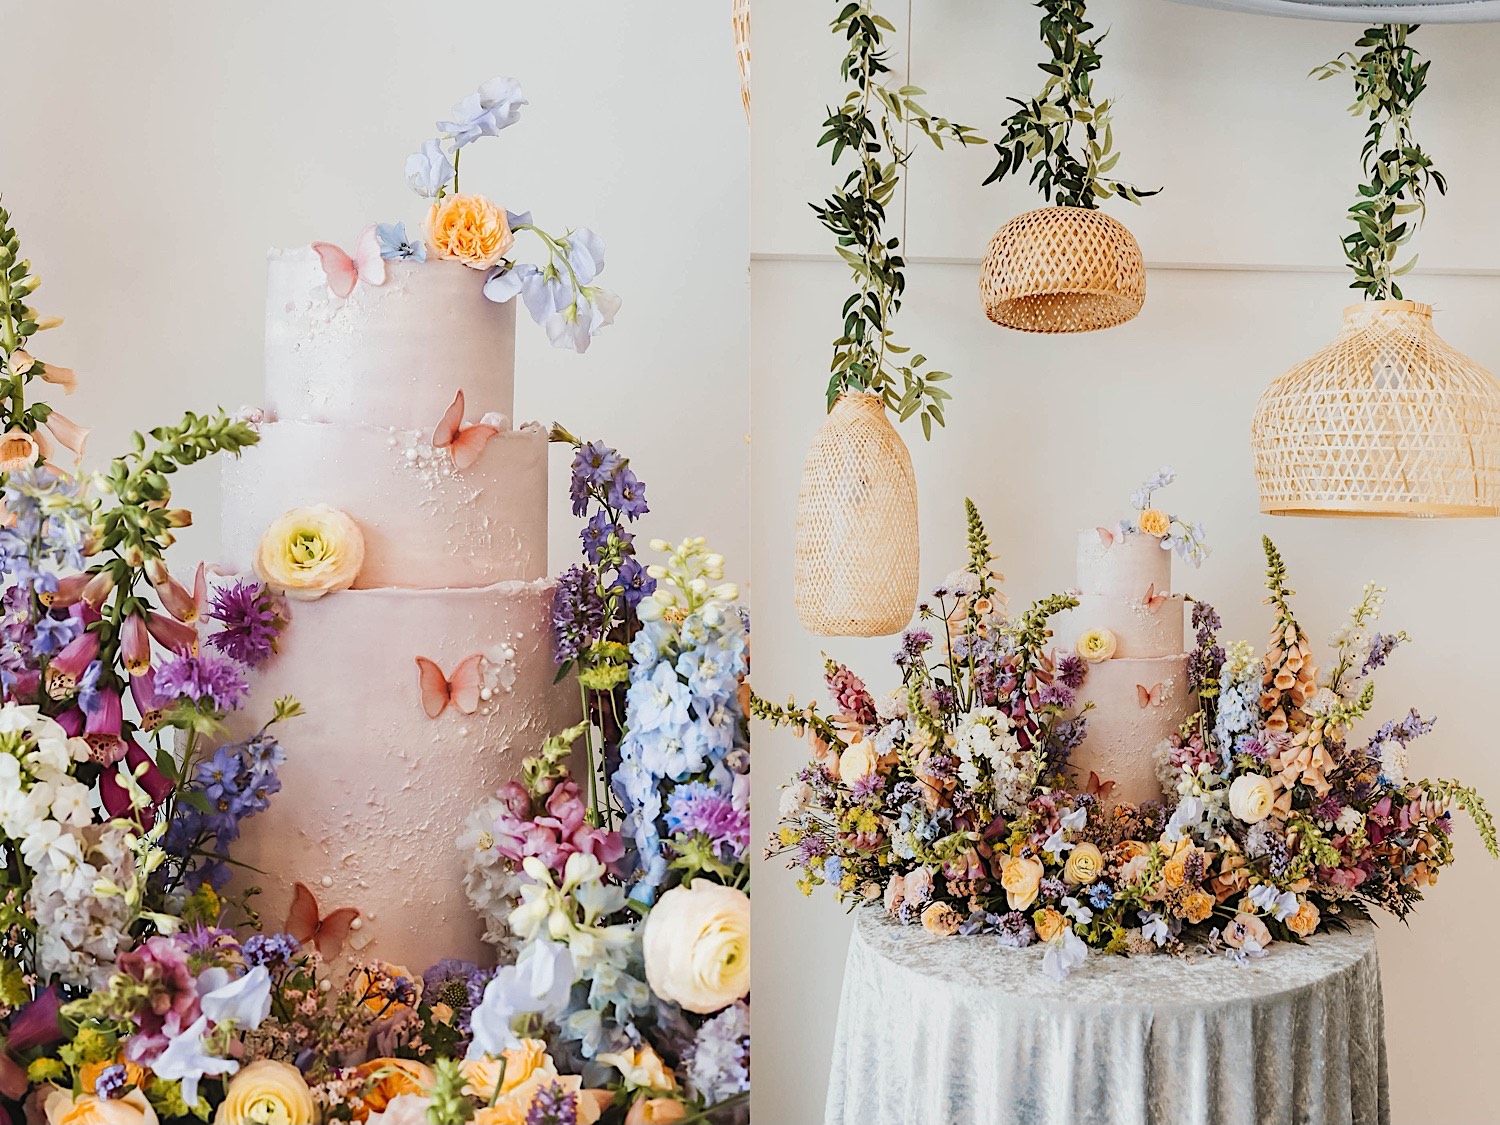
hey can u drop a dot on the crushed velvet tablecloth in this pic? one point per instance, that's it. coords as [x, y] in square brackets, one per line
[962, 1031]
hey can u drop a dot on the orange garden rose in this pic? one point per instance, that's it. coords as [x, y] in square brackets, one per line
[1153, 522]
[1306, 920]
[392, 1077]
[469, 229]
[1049, 923]
[1196, 906]
[1022, 879]
[941, 919]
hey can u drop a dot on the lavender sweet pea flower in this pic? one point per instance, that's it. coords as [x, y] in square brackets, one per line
[495, 106]
[245, 1000]
[185, 1060]
[428, 169]
[585, 254]
[540, 981]
[395, 245]
[575, 326]
[1065, 953]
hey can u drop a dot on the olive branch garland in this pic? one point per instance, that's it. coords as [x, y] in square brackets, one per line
[1043, 132]
[1392, 203]
[866, 124]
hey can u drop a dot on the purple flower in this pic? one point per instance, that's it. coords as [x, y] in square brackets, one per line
[1014, 930]
[271, 950]
[632, 580]
[553, 1105]
[1056, 693]
[596, 464]
[447, 982]
[699, 808]
[596, 534]
[1071, 670]
[111, 1082]
[1381, 647]
[718, 1063]
[627, 494]
[1052, 887]
[251, 622]
[577, 613]
[170, 994]
[208, 677]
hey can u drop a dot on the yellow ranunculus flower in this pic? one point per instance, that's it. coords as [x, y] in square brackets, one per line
[1085, 862]
[1022, 879]
[267, 1092]
[1153, 522]
[520, 1063]
[469, 229]
[309, 552]
[1096, 645]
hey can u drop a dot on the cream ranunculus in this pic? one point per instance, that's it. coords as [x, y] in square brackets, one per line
[858, 760]
[1096, 645]
[1085, 862]
[697, 946]
[267, 1092]
[1251, 797]
[469, 229]
[133, 1109]
[641, 1067]
[1022, 879]
[310, 552]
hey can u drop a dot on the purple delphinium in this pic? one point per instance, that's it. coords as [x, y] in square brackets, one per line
[699, 808]
[594, 465]
[627, 494]
[577, 613]
[1207, 660]
[632, 580]
[1381, 647]
[208, 677]
[596, 534]
[553, 1105]
[1056, 693]
[250, 619]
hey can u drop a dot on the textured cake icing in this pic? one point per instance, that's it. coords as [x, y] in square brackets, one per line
[1140, 695]
[455, 567]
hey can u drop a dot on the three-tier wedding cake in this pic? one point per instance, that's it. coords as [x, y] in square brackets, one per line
[427, 681]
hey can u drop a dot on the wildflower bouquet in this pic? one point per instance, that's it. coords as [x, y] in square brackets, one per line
[948, 800]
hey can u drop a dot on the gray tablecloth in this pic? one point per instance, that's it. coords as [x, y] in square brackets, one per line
[943, 1031]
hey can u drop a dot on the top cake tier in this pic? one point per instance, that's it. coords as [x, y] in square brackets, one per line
[1122, 569]
[392, 354]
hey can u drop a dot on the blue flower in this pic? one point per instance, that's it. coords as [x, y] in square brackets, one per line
[396, 246]
[585, 255]
[596, 535]
[632, 580]
[494, 106]
[428, 170]
[627, 494]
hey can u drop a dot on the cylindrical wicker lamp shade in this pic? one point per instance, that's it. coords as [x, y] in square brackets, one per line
[1388, 420]
[1062, 269]
[741, 17]
[857, 550]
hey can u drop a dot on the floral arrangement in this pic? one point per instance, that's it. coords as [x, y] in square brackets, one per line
[561, 293]
[1175, 533]
[950, 802]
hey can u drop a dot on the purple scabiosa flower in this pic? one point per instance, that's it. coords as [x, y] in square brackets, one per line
[914, 643]
[627, 494]
[577, 613]
[700, 808]
[447, 982]
[271, 950]
[632, 580]
[251, 622]
[1071, 670]
[1014, 930]
[209, 677]
[553, 1105]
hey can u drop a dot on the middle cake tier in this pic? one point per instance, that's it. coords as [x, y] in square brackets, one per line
[426, 523]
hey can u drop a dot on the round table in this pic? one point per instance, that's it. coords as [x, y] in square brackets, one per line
[963, 1031]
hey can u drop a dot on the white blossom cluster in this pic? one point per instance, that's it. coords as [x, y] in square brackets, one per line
[990, 758]
[491, 882]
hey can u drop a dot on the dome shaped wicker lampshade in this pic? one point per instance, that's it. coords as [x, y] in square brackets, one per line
[1388, 420]
[1062, 269]
[740, 15]
[857, 551]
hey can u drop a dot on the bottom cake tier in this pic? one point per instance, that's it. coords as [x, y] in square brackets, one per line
[374, 791]
[1136, 704]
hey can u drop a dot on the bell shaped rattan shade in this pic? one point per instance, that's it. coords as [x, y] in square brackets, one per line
[857, 550]
[1388, 420]
[1062, 269]
[740, 15]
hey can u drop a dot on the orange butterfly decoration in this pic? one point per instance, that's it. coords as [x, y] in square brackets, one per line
[305, 924]
[1146, 696]
[1153, 600]
[1110, 536]
[1099, 789]
[461, 689]
[464, 443]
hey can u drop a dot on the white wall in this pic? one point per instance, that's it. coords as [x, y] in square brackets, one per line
[153, 152]
[1050, 434]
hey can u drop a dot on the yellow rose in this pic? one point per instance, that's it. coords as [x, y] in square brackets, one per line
[641, 1067]
[309, 552]
[697, 946]
[941, 919]
[61, 1108]
[1096, 645]
[655, 1111]
[512, 1108]
[519, 1064]
[1153, 521]
[1196, 906]
[1085, 862]
[1049, 923]
[267, 1092]
[1174, 871]
[1251, 798]
[1246, 927]
[390, 1078]
[858, 760]
[469, 229]
[18, 451]
[1021, 879]
[1306, 920]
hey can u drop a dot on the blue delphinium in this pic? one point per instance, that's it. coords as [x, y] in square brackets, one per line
[236, 781]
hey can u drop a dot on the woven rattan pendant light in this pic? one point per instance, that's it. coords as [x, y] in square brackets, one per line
[740, 15]
[1388, 419]
[1068, 267]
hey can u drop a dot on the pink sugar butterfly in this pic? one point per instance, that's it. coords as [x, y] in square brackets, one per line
[1110, 536]
[327, 933]
[1153, 600]
[465, 443]
[1146, 696]
[461, 689]
[1097, 788]
[343, 271]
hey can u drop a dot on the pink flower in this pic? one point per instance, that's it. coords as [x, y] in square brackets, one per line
[117, 799]
[102, 731]
[175, 597]
[68, 666]
[171, 1003]
[554, 835]
[148, 701]
[135, 645]
[172, 634]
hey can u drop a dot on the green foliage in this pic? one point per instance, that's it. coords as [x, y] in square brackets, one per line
[1468, 799]
[981, 553]
[795, 718]
[1392, 201]
[868, 124]
[1280, 594]
[1031, 632]
[1066, 137]
[18, 323]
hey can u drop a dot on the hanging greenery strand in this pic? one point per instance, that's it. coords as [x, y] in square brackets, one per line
[1392, 202]
[869, 124]
[1045, 132]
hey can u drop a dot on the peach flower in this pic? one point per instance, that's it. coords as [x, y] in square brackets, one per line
[1153, 522]
[18, 451]
[1049, 923]
[393, 1077]
[641, 1067]
[267, 1090]
[512, 1108]
[1196, 906]
[655, 1111]
[1306, 920]
[469, 229]
[1246, 927]
[61, 1108]
[1022, 880]
[941, 919]
[519, 1063]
